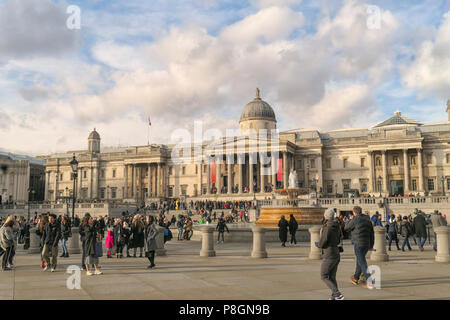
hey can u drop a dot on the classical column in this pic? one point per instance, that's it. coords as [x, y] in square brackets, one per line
[379, 253]
[274, 164]
[371, 171]
[125, 195]
[219, 177]
[80, 183]
[158, 180]
[406, 171]
[385, 176]
[306, 168]
[199, 172]
[133, 181]
[319, 173]
[47, 178]
[208, 184]
[149, 190]
[285, 171]
[95, 182]
[250, 174]
[261, 172]
[56, 184]
[230, 178]
[420, 165]
[241, 168]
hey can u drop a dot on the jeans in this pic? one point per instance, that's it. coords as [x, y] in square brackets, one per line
[64, 246]
[218, 236]
[328, 272]
[293, 240]
[421, 241]
[135, 250]
[406, 242]
[180, 233]
[6, 257]
[393, 236]
[361, 263]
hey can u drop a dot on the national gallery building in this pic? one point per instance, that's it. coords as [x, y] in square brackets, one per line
[399, 156]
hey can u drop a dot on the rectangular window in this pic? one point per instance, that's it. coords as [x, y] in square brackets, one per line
[170, 190]
[448, 157]
[102, 193]
[102, 173]
[345, 163]
[205, 167]
[313, 163]
[114, 173]
[363, 162]
[328, 163]
[430, 184]
[61, 176]
[300, 164]
[84, 174]
[346, 184]
[414, 185]
[204, 188]
[378, 161]
[363, 185]
[196, 169]
[183, 170]
[330, 187]
[184, 190]
[113, 193]
[448, 184]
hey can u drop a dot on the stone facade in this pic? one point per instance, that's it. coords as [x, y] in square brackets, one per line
[398, 156]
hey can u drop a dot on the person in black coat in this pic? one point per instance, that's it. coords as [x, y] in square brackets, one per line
[137, 236]
[91, 230]
[420, 228]
[119, 238]
[50, 238]
[283, 225]
[293, 226]
[221, 226]
[393, 231]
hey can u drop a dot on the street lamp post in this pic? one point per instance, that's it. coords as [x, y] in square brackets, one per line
[74, 165]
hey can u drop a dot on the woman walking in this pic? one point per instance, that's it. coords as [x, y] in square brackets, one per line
[293, 226]
[405, 230]
[137, 231]
[7, 242]
[40, 231]
[392, 232]
[150, 241]
[119, 239]
[91, 230]
[65, 233]
[330, 240]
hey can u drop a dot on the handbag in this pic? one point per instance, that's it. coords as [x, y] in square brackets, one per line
[98, 249]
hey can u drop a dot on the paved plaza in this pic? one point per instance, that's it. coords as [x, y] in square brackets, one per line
[232, 274]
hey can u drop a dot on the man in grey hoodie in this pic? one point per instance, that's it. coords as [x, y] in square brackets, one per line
[363, 240]
[330, 240]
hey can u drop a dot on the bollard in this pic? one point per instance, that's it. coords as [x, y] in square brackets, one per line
[443, 244]
[35, 241]
[259, 243]
[160, 250]
[379, 253]
[73, 243]
[207, 242]
[315, 253]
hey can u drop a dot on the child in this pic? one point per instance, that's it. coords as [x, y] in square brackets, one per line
[109, 242]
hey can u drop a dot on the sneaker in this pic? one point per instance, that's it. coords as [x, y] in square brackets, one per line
[45, 268]
[98, 272]
[368, 285]
[353, 280]
[89, 273]
[339, 297]
[53, 270]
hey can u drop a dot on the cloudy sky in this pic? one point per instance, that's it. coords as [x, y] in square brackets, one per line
[321, 64]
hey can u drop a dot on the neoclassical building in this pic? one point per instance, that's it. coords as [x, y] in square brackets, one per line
[396, 157]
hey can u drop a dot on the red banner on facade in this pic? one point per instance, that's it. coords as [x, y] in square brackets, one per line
[280, 170]
[213, 172]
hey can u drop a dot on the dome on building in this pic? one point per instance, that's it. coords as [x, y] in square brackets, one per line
[94, 135]
[258, 110]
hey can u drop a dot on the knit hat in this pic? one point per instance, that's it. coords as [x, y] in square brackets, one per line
[329, 214]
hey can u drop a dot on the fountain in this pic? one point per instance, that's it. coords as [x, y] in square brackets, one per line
[291, 201]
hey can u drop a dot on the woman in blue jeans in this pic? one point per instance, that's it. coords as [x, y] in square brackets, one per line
[405, 230]
[65, 232]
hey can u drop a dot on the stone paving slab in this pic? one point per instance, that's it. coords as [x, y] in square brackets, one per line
[232, 274]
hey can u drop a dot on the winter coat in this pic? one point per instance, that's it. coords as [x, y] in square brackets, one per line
[283, 225]
[405, 229]
[221, 226]
[438, 221]
[109, 241]
[90, 230]
[420, 226]
[6, 237]
[330, 238]
[150, 238]
[51, 234]
[293, 225]
[392, 227]
[362, 230]
[65, 231]
[137, 233]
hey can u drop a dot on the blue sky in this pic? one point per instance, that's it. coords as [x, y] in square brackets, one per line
[316, 62]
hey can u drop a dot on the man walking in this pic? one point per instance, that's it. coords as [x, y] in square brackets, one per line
[420, 227]
[437, 221]
[221, 226]
[51, 237]
[363, 239]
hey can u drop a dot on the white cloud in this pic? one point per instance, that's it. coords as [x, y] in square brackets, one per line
[270, 3]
